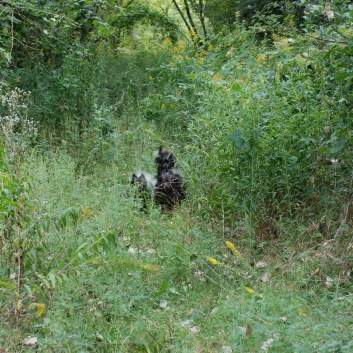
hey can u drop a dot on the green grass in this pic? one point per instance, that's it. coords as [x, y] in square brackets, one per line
[142, 282]
[113, 279]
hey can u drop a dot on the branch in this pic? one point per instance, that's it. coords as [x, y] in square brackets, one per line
[310, 35]
[201, 14]
[192, 22]
[12, 32]
[183, 18]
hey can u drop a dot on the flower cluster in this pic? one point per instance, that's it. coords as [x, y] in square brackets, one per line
[16, 129]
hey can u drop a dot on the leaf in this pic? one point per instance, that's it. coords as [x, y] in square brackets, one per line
[238, 140]
[46, 283]
[7, 285]
[343, 76]
[28, 289]
[164, 287]
[236, 88]
[52, 279]
[338, 145]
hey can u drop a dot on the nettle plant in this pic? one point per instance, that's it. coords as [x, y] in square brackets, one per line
[17, 129]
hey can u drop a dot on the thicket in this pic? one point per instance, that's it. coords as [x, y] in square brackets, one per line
[260, 119]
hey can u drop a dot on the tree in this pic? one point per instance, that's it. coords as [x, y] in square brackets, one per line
[187, 11]
[41, 31]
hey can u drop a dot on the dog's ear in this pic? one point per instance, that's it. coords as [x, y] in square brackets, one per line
[158, 154]
[172, 157]
[133, 178]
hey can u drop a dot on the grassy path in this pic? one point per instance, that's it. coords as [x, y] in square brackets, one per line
[132, 282]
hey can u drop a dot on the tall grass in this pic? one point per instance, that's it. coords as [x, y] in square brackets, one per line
[256, 259]
[126, 281]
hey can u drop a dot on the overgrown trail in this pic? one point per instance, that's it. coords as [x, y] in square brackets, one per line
[132, 282]
[255, 103]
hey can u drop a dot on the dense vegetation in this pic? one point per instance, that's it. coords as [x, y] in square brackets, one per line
[255, 100]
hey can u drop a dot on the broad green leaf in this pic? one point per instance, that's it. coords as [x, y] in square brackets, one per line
[338, 145]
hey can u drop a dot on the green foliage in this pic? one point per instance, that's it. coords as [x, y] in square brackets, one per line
[221, 13]
[18, 130]
[113, 279]
[142, 13]
[257, 258]
[51, 30]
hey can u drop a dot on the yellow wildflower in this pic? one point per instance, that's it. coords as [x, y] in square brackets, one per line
[212, 260]
[235, 251]
[150, 267]
[249, 290]
[217, 78]
[301, 313]
[87, 213]
[19, 305]
[40, 308]
[276, 37]
[260, 58]
[193, 34]
[167, 42]
[231, 246]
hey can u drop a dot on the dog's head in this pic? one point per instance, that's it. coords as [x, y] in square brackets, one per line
[143, 181]
[139, 180]
[165, 160]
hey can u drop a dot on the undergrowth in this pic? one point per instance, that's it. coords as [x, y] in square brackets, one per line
[100, 276]
[259, 256]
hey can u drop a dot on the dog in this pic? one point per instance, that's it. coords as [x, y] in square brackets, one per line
[167, 189]
[170, 190]
[145, 185]
[165, 160]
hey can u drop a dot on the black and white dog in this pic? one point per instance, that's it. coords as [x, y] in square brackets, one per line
[167, 190]
[145, 185]
[170, 188]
